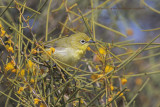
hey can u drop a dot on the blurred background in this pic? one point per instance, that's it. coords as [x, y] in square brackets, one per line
[130, 17]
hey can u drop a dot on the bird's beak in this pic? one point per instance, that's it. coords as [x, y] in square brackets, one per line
[91, 41]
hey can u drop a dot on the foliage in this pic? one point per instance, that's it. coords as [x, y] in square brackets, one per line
[111, 74]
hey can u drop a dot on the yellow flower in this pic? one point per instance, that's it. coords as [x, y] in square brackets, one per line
[97, 67]
[102, 79]
[9, 48]
[14, 70]
[112, 88]
[123, 81]
[20, 90]
[51, 50]
[9, 41]
[13, 62]
[100, 75]
[120, 94]
[36, 101]
[102, 51]
[108, 69]
[32, 80]
[81, 101]
[94, 76]
[109, 99]
[2, 32]
[88, 48]
[32, 67]
[75, 103]
[0, 26]
[30, 64]
[42, 105]
[48, 52]
[33, 51]
[9, 66]
[22, 73]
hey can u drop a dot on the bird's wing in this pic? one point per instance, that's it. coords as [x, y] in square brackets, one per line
[62, 42]
[65, 55]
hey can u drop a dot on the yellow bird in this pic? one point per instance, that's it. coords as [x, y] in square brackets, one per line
[70, 50]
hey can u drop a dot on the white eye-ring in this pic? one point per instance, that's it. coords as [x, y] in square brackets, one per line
[82, 41]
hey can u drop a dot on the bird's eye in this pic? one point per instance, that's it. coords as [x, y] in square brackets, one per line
[82, 41]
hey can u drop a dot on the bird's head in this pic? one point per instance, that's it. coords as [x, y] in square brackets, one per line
[80, 41]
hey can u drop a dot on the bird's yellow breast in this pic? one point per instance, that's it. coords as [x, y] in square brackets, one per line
[68, 56]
